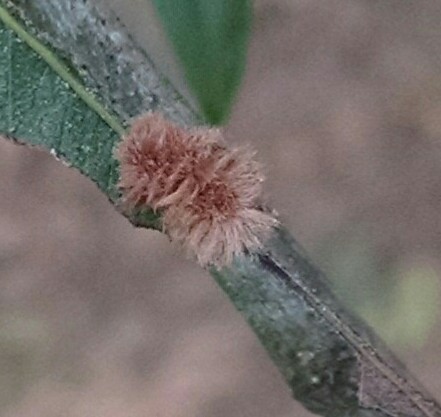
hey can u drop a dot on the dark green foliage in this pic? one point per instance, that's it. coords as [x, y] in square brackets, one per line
[39, 108]
[210, 38]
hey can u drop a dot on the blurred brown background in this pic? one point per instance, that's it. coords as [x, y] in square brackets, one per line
[342, 100]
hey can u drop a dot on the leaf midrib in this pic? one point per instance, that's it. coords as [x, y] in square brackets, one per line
[61, 69]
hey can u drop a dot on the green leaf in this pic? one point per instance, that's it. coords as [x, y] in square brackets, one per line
[43, 104]
[210, 38]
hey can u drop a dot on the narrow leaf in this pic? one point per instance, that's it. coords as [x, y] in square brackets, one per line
[43, 104]
[210, 38]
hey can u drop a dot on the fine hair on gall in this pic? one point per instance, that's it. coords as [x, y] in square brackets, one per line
[208, 195]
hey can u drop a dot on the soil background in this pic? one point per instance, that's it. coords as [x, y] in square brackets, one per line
[342, 100]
